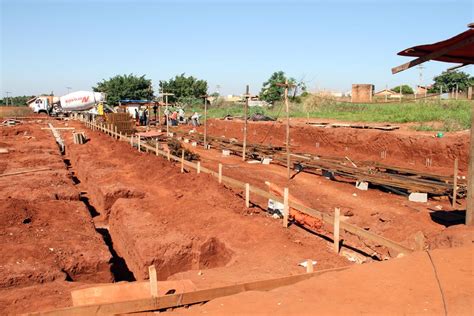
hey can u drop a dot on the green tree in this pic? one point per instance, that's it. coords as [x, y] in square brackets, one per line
[16, 101]
[448, 80]
[406, 89]
[123, 87]
[271, 92]
[187, 90]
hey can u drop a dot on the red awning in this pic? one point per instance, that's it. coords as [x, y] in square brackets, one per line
[462, 55]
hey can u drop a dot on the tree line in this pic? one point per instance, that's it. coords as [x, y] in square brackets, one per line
[190, 90]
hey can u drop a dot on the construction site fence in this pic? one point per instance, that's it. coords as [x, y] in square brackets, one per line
[109, 129]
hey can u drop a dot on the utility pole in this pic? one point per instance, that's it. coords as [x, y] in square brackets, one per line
[246, 107]
[470, 180]
[167, 112]
[7, 92]
[205, 119]
[288, 159]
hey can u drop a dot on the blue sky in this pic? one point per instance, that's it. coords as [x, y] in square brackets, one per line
[48, 45]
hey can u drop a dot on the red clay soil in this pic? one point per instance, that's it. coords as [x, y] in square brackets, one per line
[403, 286]
[404, 148]
[47, 233]
[386, 214]
[187, 222]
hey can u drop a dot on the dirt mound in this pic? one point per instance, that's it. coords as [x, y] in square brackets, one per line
[49, 240]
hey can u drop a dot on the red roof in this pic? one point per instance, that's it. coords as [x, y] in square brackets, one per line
[462, 55]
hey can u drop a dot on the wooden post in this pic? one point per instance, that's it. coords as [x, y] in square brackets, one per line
[167, 111]
[401, 95]
[182, 161]
[156, 148]
[455, 182]
[198, 169]
[205, 122]
[337, 213]
[220, 173]
[116, 134]
[131, 140]
[153, 281]
[247, 195]
[288, 160]
[120, 135]
[470, 180]
[169, 158]
[286, 208]
[244, 147]
[139, 143]
[309, 266]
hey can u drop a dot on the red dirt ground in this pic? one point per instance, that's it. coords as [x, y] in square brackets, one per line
[47, 233]
[184, 222]
[406, 286]
[386, 214]
[190, 227]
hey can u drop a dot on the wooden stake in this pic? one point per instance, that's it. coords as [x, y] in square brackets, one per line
[286, 208]
[205, 122]
[337, 213]
[247, 195]
[156, 148]
[244, 147]
[139, 143]
[470, 179]
[120, 136]
[169, 154]
[288, 159]
[153, 281]
[309, 266]
[198, 168]
[220, 173]
[455, 182]
[182, 161]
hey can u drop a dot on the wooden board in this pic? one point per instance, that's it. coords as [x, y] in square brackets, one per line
[126, 291]
[174, 300]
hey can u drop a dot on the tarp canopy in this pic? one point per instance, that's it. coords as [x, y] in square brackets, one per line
[462, 55]
[457, 49]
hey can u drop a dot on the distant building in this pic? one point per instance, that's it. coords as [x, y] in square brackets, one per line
[385, 92]
[422, 90]
[362, 93]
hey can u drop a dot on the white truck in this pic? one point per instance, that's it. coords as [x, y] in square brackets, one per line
[71, 102]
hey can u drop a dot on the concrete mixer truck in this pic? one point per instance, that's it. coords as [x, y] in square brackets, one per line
[71, 102]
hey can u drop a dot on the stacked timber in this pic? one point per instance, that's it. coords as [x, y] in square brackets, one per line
[396, 179]
[124, 123]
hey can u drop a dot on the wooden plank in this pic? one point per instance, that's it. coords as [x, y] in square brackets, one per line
[14, 173]
[174, 300]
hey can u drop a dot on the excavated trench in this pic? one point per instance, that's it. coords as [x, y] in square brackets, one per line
[118, 266]
[171, 254]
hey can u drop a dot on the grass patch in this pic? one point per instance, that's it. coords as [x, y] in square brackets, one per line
[453, 115]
